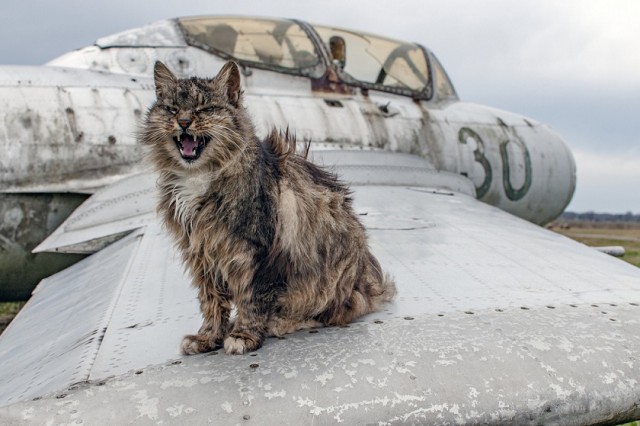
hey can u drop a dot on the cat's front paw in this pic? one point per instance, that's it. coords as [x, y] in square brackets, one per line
[238, 345]
[197, 343]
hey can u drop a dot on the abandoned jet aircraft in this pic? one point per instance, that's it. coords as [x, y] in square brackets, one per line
[68, 128]
[497, 320]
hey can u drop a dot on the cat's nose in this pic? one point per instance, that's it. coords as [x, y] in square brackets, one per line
[184, 122]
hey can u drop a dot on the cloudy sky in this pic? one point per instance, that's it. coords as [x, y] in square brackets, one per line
[573, 64]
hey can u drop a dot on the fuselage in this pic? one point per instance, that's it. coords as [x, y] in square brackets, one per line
[70, 126]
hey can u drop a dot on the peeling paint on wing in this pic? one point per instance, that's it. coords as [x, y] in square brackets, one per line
[341, 409]
[180, 383]
[147, 407]
[378, 392]
[609, 378]
[28, 413]
[560, 391]
[178, 410]
[540, 344]
[324, 378]
[226, 406]
[280, 394]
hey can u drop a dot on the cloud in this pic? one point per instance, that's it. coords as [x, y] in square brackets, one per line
[607, 182]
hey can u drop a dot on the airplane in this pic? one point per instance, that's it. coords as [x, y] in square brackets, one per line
[497, 319]
[68, 128]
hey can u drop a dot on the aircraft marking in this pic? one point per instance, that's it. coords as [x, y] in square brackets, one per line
[466, 133]
[512, 193]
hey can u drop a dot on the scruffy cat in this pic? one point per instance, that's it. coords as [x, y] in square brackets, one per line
[257, 224]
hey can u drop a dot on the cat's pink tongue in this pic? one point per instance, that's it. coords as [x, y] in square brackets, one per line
[189, 146]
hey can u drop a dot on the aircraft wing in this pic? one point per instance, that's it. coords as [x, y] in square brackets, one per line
[496, 320]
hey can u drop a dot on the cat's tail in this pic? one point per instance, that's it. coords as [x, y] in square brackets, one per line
[384, 292]
[389, 288]
[284, 144]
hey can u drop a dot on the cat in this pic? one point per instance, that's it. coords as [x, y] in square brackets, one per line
[257, 224]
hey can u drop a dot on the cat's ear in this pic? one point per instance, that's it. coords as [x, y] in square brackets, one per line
[164, 79]
[229, 79]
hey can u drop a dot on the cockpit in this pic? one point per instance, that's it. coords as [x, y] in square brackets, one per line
[294, 47]
[269, 43]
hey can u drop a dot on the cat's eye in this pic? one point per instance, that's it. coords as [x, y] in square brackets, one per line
[208, 109]
[171, 110]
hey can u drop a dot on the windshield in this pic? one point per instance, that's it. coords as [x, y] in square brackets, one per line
[376, 60]
[268, 43]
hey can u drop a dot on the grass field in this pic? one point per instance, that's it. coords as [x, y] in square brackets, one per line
[7, 312]
[606, 236]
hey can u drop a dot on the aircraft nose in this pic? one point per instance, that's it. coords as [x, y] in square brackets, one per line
[184, 122]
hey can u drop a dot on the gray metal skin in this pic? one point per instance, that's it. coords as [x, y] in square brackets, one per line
[497, 321]
[69, 126]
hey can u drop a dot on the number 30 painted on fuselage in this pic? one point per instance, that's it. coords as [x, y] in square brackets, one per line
[512, 193]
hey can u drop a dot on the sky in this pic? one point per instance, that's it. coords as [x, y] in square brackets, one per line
[572, 64]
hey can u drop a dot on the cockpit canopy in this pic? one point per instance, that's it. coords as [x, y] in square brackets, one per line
[295, 47]
[278, 43]
[291, 46]
[376, 60]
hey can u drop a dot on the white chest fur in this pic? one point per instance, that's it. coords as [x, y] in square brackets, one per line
[187, 192]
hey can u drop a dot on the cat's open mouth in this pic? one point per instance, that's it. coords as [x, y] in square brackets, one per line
[190, 146]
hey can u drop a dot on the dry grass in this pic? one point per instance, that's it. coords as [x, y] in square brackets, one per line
[7, 312]
[629, 238]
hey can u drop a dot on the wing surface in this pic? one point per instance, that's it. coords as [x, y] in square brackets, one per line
[496, 321]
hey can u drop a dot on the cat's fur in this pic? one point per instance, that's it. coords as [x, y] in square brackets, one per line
[258, 225]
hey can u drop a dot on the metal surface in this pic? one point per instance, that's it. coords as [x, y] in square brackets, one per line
[108, 214]
[130, 203]
[53, 341]
[496, 321]
[68, 130]
[458, 369]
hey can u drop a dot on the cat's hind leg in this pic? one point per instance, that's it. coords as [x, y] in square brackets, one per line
[247, 334]
[278, 326]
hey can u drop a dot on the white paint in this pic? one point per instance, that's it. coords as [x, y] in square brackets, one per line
[560, 392]
[178, 409]
[539, 344]
[226, 406]
[147, 407]
[324, 378]
[178, 383]
[609, 378]
[279, 394]
[28, 413]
